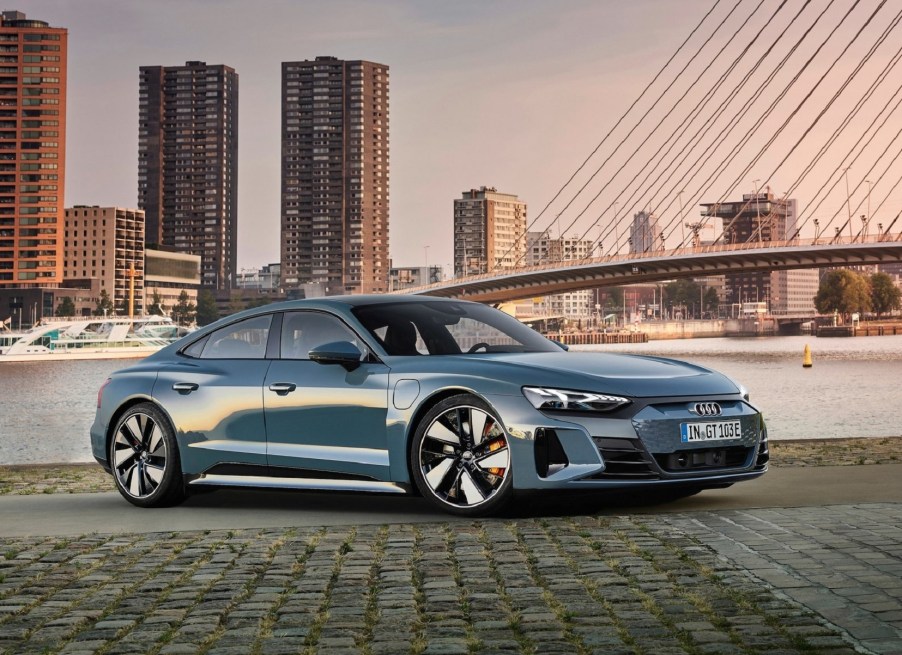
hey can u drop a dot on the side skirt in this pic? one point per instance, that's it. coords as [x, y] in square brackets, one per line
[322, 484]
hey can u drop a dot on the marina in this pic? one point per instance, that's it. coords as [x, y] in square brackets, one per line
[850, 390]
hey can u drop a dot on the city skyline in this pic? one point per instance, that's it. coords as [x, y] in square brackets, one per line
[507, 94]
[431, 51]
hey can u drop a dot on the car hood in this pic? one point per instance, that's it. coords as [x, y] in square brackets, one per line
[630, 375]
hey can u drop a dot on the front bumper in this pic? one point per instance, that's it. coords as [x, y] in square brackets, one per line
[639, 447]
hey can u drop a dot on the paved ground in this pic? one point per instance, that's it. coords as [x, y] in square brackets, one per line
[89, 478]
[734, 571]
[71, 515]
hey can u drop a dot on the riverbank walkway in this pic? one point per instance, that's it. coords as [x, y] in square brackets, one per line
[813, 566]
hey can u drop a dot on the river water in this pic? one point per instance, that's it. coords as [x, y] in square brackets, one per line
[854, 389]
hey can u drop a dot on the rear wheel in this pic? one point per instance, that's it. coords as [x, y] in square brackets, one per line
[460, 457]
[144, 458]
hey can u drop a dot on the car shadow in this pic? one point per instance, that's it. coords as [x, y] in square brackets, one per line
[396, 508]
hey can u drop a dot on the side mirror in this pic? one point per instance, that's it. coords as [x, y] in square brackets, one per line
[343, 353]
[560, 345]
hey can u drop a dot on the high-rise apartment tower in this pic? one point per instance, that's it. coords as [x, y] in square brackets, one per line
[188, 163]
[32, 151]
[335, 177]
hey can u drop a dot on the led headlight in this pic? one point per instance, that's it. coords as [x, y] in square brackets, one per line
[576, 401]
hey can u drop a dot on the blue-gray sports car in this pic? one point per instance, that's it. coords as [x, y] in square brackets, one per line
[453, 400]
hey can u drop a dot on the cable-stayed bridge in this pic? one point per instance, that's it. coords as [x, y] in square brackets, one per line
[772, 102]
[718, 259]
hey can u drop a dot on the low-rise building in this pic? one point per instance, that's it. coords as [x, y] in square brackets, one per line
[106, 244]
[406, 277]
[167, 273]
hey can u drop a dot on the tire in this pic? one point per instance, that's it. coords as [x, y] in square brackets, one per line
[144, 458]
[458, 471]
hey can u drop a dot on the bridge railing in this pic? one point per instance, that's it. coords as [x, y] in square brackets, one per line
[663, 254]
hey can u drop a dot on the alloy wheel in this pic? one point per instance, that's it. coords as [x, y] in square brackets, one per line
[139, 455]
[464, 457]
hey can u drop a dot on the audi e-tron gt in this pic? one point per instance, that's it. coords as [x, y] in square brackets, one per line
[453, 400]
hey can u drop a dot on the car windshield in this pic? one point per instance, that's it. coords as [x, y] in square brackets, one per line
[448, 328]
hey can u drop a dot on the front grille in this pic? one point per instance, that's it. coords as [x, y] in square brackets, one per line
[624, 459]
[703, 458]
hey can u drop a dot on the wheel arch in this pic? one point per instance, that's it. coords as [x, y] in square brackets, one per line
[428, 403]
[122, 409]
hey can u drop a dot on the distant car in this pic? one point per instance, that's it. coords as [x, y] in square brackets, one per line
[396, 394]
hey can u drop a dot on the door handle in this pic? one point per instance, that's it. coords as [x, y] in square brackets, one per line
[283, 388]
[184, 388]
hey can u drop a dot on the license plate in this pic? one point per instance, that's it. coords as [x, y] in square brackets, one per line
[711, 431]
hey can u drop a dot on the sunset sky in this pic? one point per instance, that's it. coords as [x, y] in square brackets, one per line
[513, 94]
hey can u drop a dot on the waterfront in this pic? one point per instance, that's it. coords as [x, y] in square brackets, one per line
[851, 391]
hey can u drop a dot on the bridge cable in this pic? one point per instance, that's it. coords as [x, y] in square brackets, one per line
[841, 128]
[676, 162]
[626, 113]
[732, 124]
[798, 108]
[660, 122]
[736, 149]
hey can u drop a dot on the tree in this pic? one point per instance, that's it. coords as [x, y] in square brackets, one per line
[66, 307]
[207, 311]
[885, 295]
[843, 291]
[105, 304]
[156, 305]
[683, 292]
[184, 311]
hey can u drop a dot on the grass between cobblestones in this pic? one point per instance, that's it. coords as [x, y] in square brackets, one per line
[90, 478]
[584, 585]
[580, 584]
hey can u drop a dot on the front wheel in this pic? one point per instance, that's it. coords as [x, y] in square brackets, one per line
[460, 457]
[144, 458]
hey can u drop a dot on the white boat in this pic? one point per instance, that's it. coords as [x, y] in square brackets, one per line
[89, 338]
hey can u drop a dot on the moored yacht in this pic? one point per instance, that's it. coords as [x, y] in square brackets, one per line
[89, 338]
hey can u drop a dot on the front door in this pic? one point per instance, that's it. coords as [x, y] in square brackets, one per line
[322, 420]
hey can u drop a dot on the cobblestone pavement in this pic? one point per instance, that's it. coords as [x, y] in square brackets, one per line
[810, 580]
[88, 478]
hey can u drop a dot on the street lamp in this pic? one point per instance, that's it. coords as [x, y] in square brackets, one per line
[817, 224]
[870, 184]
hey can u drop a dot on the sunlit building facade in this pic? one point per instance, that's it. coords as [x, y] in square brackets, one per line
[107, 243]
[489, 231]
[32, 151]
[542, 249]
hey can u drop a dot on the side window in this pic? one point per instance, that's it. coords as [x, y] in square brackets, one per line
[304, 331]
[243, 340]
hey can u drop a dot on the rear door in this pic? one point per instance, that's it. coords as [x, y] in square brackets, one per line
[214, 396]
[322, 420]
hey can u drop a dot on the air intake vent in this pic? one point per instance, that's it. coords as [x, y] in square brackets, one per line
[624, 459]
[763, 452]
[550, 455]
[704, 458]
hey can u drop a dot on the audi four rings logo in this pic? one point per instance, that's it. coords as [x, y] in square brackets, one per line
[707, 409]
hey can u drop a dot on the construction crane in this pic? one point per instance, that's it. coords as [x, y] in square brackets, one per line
[696, 228]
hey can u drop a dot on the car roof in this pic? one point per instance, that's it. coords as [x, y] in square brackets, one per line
[355, 301]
